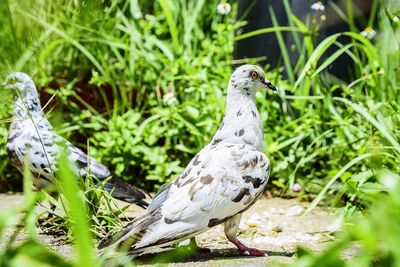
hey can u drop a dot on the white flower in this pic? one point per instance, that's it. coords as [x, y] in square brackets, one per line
[296, 187]
[149, 17]
[395, 19]
[368, 33]
[318, 6]
[169, 98]
[137, 15]
[224, 8]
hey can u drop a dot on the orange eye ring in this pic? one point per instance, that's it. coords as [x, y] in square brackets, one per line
[253, 74]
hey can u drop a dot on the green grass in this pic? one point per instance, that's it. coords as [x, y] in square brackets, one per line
[108, 65]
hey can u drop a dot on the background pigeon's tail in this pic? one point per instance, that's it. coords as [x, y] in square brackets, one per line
[128, 193]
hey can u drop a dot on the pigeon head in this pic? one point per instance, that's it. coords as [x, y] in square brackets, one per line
[250, 78]
[21, 82]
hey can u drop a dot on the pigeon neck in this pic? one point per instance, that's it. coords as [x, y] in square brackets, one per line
[241, 123]
[27, 104]
[238, 97]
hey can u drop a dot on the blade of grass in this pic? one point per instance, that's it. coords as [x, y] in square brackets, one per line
[289, 15]
[334, 178]
[171, 24]
[78, 214]
[282, 46]
[29, 202]
[267, 30]
[380, 126]
[65, 36]
[315, 56]
[331, 59]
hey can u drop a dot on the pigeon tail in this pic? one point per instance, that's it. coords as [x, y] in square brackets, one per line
[133, 232]
[152, 231]
[128, 193]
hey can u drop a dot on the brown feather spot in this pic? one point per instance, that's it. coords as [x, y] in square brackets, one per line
[196, 160]
[215, 221]
[241, 132]
[168, 221]
[242, 193]
[216, 141]
[188, 181]
[206, 179]
[257, 182]
[182, 177]
[193, 190]
[221, 126]
[248, 142]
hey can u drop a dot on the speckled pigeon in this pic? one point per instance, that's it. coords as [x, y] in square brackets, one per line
[33, 141]
[221, 182]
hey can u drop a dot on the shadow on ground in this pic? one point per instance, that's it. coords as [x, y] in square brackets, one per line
[185, 255]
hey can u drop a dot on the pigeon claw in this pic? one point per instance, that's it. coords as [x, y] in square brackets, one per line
[243, 249]
[253, 252]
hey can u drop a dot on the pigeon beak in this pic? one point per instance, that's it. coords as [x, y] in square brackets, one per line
[268, 84]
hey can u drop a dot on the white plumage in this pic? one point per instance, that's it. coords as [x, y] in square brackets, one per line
[222, 181]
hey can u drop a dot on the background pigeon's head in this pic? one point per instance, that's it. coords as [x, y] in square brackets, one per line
[250, 78]
[19, 81]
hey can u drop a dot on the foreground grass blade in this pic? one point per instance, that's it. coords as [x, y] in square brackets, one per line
[29, 202]
[77, 213]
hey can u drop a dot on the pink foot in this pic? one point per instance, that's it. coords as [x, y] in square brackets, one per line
[249, 251]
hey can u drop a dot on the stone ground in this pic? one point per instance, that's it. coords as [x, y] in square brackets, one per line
[274, 225]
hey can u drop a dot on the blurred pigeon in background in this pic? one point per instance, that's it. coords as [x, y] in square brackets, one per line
[33, 141]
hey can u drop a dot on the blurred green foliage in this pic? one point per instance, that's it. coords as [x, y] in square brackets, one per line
[375, 236]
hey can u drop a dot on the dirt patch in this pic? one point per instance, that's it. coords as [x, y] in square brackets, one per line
[274, 225]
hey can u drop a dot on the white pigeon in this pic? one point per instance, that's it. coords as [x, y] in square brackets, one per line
[33, 141]
[221, 182]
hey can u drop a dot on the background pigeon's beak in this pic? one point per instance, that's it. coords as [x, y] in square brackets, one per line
[268, 84]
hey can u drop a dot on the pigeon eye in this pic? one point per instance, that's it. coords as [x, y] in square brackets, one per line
[253, 74]
[12, 80]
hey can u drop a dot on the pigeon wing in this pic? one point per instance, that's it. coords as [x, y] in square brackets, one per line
[220, 183]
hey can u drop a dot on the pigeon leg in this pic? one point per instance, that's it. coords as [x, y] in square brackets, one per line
[193, 245]
[231, 227]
